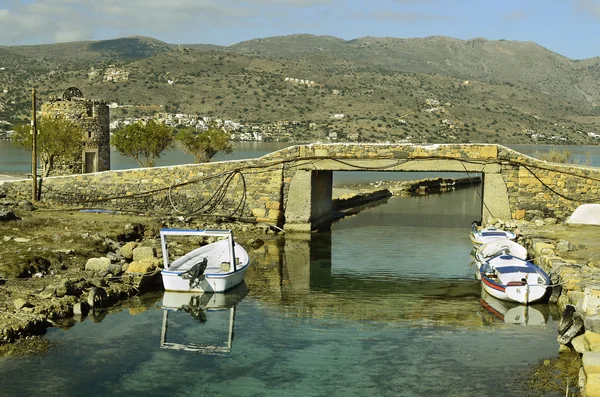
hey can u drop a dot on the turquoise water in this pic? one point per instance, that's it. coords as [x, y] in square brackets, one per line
[384, 304]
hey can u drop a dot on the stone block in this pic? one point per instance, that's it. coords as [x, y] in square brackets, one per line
[592, 323]
[591, 302]
[591, 382]
[520, 214]
[489, 152]
[273, 205]
[593, 290]
[274, 215]
[259, 212]
[140, 253]
[575, 298]
[592, 341]
[579, 344]
[146, 265]
[591, 362]
[126, 251]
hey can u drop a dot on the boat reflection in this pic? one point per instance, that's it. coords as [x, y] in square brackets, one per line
[512, 312]
[203, 315]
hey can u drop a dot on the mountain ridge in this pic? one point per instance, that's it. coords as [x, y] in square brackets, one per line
[494, 88]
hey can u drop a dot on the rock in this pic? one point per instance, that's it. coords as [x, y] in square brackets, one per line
[48, 292]
[98, 264]
[21, 240]
[539, 222]
[579, 344]
[7, 238]
[6, 215]
[21, 303]
[592, 340]
[550, 221]
[103, 266]
[564, 246]
[146, 265]
[116, 269]
[140, 253]
[26, 205]
[126, 251]
[112, 244]
[66, 287]
[592, 323]
[114, 257]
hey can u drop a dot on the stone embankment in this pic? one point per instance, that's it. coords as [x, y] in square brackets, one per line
[570, 254]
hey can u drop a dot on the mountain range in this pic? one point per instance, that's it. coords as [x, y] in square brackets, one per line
[433, 89]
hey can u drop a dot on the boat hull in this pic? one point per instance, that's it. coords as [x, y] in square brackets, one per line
[479, 237]
[174, 282]
[524, 294]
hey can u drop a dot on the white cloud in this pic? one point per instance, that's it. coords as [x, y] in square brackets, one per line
[46, 21]
[590, 7]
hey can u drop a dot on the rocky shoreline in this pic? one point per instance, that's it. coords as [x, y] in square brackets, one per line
[57, 267]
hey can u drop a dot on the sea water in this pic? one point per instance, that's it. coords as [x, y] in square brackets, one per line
[383, 304]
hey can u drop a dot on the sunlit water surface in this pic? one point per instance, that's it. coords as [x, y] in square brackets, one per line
[385, 304]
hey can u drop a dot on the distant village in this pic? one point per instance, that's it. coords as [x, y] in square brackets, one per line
[278, 131]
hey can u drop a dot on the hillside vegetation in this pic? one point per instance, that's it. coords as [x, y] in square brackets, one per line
[434, 89]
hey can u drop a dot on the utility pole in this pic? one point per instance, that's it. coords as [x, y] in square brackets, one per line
[34, 147]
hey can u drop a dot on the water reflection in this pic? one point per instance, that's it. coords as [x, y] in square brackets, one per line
[512, 312]
[204, 317]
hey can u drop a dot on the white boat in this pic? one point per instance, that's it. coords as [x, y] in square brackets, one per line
[510, 278]
[210, 328]
[498, 247]
[482, 236]
[210, 268]
[513, 313]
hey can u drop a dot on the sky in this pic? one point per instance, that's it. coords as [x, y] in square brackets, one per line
[568, 27]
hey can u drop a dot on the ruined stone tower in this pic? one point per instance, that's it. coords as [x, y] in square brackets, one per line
[93, 117]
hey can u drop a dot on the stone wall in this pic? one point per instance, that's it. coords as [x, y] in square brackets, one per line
[540, 189]
[240, 188]
[522, 188]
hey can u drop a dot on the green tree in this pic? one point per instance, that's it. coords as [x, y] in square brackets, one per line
[205, 145]
[145, 142]
[57, 139]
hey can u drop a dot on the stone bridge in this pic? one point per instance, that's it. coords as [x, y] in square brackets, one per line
[292, 188]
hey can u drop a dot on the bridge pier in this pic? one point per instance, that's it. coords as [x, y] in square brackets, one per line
[495, 198]
[309, 201]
